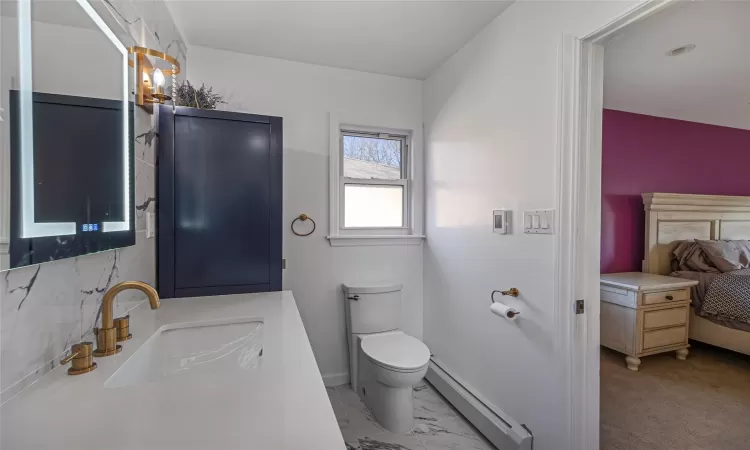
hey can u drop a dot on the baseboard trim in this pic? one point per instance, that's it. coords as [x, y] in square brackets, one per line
[336, 379]
[498, 427]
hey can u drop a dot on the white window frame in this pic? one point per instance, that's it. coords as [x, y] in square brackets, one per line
[410, 233]
[403, 182]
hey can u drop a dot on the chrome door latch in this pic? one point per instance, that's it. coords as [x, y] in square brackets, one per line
[578, 308]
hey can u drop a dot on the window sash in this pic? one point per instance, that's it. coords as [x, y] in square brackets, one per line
[404, 182]
[375, 135]
[374, 182]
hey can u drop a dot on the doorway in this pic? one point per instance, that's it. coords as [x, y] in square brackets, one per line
[582, 103]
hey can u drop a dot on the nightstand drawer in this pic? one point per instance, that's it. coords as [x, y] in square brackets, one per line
[664, 337]
[653, 298]
[662, 318]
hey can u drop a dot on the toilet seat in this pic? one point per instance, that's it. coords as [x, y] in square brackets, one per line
[397, 351]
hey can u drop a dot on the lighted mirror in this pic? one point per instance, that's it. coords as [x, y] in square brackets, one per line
[67, 132]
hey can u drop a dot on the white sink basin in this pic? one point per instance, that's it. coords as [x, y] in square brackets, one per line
[194, 348]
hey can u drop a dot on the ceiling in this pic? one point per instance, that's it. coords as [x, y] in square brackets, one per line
[710, 85]
[401, 38]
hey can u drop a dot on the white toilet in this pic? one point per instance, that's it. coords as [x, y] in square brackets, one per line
[384, 362]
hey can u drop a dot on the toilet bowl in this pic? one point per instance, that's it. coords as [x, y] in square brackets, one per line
[384, 362]
[391, 364]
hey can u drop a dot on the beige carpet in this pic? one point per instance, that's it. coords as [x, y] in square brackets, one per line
[701, 403]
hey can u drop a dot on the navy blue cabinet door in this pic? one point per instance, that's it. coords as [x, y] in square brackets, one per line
[219, 203]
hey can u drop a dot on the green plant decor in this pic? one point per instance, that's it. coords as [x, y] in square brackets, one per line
[203, 97]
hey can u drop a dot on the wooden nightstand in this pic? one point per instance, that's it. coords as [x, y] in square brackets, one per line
[644, 314]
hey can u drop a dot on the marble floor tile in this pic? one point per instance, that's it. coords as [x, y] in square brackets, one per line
[338, 407]
[429, 406]
[438, 425]
[390, 441]
[359, 421]
[450, 434]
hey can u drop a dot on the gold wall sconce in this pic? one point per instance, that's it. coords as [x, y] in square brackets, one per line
[150, 78]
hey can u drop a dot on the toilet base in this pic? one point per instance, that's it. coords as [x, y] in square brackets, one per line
[387, 393]
[392, 407]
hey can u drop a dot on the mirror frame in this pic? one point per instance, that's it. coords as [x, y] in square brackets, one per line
[23, 225]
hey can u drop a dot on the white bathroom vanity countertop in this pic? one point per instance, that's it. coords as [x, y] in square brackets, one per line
[280, 404]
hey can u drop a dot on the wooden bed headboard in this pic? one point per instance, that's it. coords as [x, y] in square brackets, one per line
[672, 218]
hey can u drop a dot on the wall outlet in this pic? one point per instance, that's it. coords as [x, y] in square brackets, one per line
[150, 225]
[539, 221]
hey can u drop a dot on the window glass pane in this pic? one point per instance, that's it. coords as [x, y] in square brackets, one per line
[373, 206]
[372, 157]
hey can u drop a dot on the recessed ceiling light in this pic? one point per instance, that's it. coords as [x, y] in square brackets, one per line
[681, 50]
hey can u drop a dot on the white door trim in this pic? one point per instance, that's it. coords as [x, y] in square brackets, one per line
[579, 205]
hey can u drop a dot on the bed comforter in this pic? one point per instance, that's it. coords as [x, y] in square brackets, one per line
[722, 298]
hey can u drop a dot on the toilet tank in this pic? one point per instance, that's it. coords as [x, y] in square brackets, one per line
[373, 309]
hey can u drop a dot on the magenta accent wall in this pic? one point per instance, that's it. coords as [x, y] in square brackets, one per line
[651, 154]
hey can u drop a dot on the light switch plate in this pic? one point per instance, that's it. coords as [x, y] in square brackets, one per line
[150, 225]
[539, 221]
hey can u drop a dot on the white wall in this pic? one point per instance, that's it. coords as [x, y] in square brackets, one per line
[304, 95]
[491, 127]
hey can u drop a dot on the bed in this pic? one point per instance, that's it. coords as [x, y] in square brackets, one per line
[673, 219]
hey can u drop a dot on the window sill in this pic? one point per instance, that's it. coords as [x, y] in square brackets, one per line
[361, 241]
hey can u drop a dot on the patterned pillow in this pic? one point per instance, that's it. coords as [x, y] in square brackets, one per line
[727, 255]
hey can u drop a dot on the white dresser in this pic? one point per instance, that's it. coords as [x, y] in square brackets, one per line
[644, 314]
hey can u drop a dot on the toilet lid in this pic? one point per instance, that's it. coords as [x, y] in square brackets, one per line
[397, 350]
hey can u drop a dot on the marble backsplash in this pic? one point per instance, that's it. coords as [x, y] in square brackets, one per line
[48, 307]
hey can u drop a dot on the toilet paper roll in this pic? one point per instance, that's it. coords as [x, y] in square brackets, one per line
[504, 311]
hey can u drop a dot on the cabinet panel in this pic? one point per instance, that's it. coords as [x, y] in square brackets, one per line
[662, 318]
[220, 202]
[664, 337]
[620, 296]
[618, 328]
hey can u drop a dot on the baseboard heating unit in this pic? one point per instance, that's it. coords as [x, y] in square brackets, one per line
[499, 428]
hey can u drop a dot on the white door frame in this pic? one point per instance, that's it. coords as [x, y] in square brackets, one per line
[579, 206]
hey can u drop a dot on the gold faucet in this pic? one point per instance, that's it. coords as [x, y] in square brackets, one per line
[107, 335]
